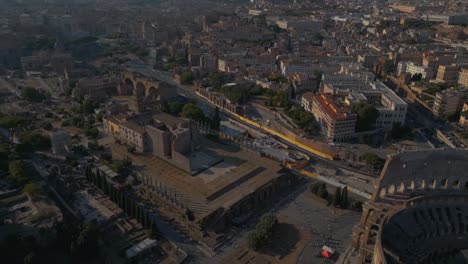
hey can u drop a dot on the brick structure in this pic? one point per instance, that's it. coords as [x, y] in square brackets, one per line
[418, 213]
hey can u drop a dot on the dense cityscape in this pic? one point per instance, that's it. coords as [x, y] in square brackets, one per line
[234, 131]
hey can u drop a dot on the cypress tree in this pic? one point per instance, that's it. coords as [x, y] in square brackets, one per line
[344, 197]
[337, 197]
[216, 120]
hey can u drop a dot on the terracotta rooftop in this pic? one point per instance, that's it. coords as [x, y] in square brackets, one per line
[332, 107]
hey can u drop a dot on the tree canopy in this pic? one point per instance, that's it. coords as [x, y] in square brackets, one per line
[193, 112]
[33, 95]
[434, 88]
[186, 77]
[33, 189]
[4, 156]
[13, 121]
[373, 160]
[18, 172]
[32, 141]
[216, 119]
[367, 115]
[262, 231]
[302, 118]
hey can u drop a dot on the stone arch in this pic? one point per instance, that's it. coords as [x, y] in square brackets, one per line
[456, 184]
[369, 213]
[150, 90]
[128, 86]
[383, 192]
[432, 184]
[443, 183]
[139, 89]
[401, 188]
[422, 184]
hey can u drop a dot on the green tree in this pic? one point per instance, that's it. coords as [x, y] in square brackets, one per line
[4, 156]
[302, 118]
[216, 80]
[416, 77]
[216, 120]
[186, 77]
[262, 231]
[33, 190]
[389, 67]
[401, 132]
[322, 191]
[314, 187]
[35, 140]
[32, 95]
[85, 246]
[373, 160]
[434, 88]
[91, 132]
[31, 258]
[18, 172]
[337, 197]
[14, 121]
[175, 107]
[254, 241]
[367, 115]
[357, 206]
[344, 198]
[192, 111]
[88, 106]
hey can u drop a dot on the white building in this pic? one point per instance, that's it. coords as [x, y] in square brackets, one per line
[412, 68]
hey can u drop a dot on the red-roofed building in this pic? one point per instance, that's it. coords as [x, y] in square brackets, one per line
[335, 117]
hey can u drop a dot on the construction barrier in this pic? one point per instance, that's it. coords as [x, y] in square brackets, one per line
[278, 134]
[286, 138]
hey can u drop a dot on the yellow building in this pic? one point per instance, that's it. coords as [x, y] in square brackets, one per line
[464, 116]
[463, 77]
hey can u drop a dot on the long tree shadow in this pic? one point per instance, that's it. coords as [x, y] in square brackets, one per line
[282, 241]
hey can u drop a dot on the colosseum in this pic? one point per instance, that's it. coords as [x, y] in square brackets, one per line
[419, 213]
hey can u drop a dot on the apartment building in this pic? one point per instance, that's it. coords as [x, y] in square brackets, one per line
[307, 100]
[464, 116]
[448, 74]
[413, 68]
[336, 119]
[463, 77]
[449, 101]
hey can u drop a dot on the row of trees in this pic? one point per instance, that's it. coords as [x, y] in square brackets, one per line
[320, 189]
[21, 174]
[339, 199]
[279, 98]
[122, 198]
[372, 160]
[305, 120]
[4, 156]
[186, 77]
[78, 239]
[33, 141]
[67, 241]
[194, 112]
[262, 231]
[14, 121]
[33, 95]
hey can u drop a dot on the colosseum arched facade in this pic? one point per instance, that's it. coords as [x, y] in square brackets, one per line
[419, 213]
